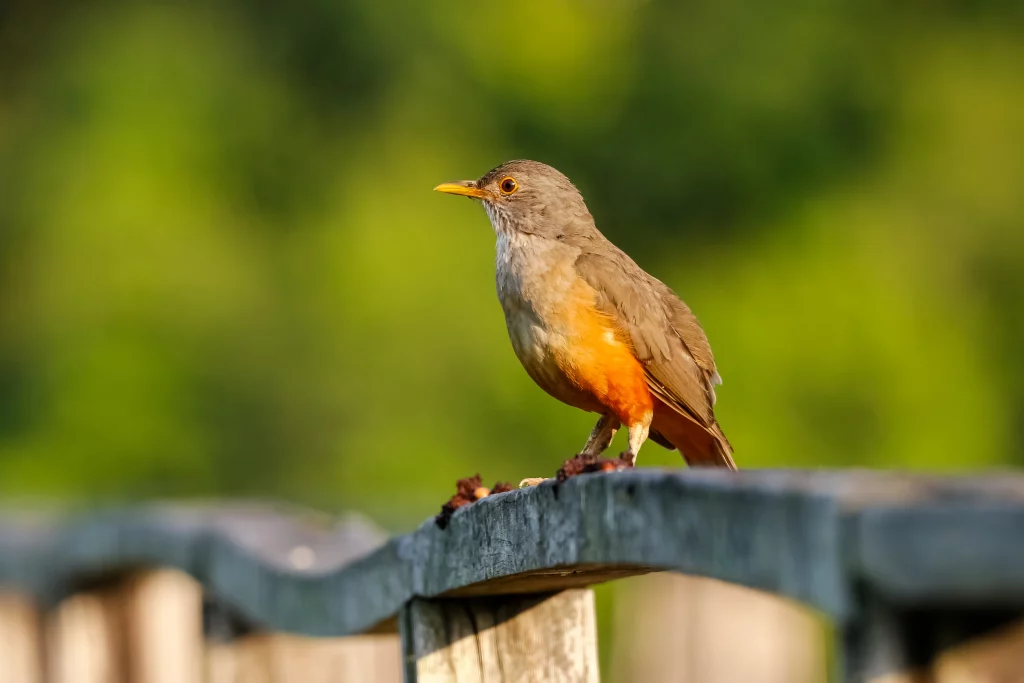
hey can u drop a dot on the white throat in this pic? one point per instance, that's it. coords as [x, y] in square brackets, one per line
[500, 220]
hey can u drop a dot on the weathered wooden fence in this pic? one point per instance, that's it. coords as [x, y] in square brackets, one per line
[907, 569]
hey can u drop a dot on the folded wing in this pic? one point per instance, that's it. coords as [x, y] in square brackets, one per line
[668, 340]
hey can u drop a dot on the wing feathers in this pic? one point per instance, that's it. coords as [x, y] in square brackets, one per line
[666, 337]
[665, 334]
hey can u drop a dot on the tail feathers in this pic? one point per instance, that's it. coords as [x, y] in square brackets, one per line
[699, 446]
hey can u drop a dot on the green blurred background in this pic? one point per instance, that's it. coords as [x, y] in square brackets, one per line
[223, 271]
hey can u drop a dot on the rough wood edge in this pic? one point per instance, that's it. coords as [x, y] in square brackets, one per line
[795, 534]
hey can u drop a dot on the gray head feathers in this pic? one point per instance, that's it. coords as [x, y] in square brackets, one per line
[531, 197]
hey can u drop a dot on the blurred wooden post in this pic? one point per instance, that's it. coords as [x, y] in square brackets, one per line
[164, 627]
[149, 629]
[523, 638]
[273, 658]
[947, 644]
[84, 639]
[21, 653]
[144, 629]
[671, 628]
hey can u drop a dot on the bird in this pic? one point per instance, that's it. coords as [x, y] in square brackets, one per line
[590, 326]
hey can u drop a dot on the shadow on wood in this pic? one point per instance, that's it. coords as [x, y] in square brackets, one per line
[527, 639]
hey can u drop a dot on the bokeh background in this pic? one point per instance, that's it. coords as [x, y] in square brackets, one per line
[223, 271]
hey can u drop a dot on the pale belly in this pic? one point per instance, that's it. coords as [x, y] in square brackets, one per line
[543, 353]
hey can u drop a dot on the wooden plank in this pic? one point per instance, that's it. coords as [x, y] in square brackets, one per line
[681, 629]
[892, 643]
[274, 562]
[144, 628]
[797, 534]
[85, 639]
[163, 622]
[755, 531]
[827, 539]
[962, 551]
[274, 658]
[21, 647]
[997, 657]
[527, 639]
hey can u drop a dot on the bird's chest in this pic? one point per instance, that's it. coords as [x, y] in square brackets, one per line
[537, 283]
[546, 307]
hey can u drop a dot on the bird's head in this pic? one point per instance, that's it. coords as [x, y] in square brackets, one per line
[527, 197]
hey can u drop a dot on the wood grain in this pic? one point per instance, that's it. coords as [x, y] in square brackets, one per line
[804, 535]
[516, 639]
[840, 542]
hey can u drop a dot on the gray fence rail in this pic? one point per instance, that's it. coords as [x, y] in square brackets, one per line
[905, 567]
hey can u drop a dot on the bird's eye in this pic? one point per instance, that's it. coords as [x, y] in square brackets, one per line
[508, 185]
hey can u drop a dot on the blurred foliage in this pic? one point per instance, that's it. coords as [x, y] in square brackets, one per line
[222, 270]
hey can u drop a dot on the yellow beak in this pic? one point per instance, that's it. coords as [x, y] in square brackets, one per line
[466, 188]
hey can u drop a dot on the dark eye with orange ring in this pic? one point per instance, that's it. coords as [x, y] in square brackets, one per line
[508, 185]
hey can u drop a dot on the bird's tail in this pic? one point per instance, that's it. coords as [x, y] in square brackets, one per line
[700, 446]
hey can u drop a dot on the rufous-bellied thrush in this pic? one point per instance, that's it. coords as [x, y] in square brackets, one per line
[590, 326]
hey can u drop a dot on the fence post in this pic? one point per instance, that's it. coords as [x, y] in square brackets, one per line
[85, 639]
[21, 641]
[550, 637]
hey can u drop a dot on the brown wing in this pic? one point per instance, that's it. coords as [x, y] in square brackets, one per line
[664, 333]
[685, 324]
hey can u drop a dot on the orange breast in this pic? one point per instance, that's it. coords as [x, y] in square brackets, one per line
[600, 361]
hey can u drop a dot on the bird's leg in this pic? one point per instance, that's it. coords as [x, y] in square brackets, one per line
[600, 438]
[602, 435]
[637, 435]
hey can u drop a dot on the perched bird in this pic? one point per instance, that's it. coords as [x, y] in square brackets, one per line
[591, 327]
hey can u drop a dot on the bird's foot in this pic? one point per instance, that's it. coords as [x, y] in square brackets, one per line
[532, 481]
[587, 462]
[468, 490]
